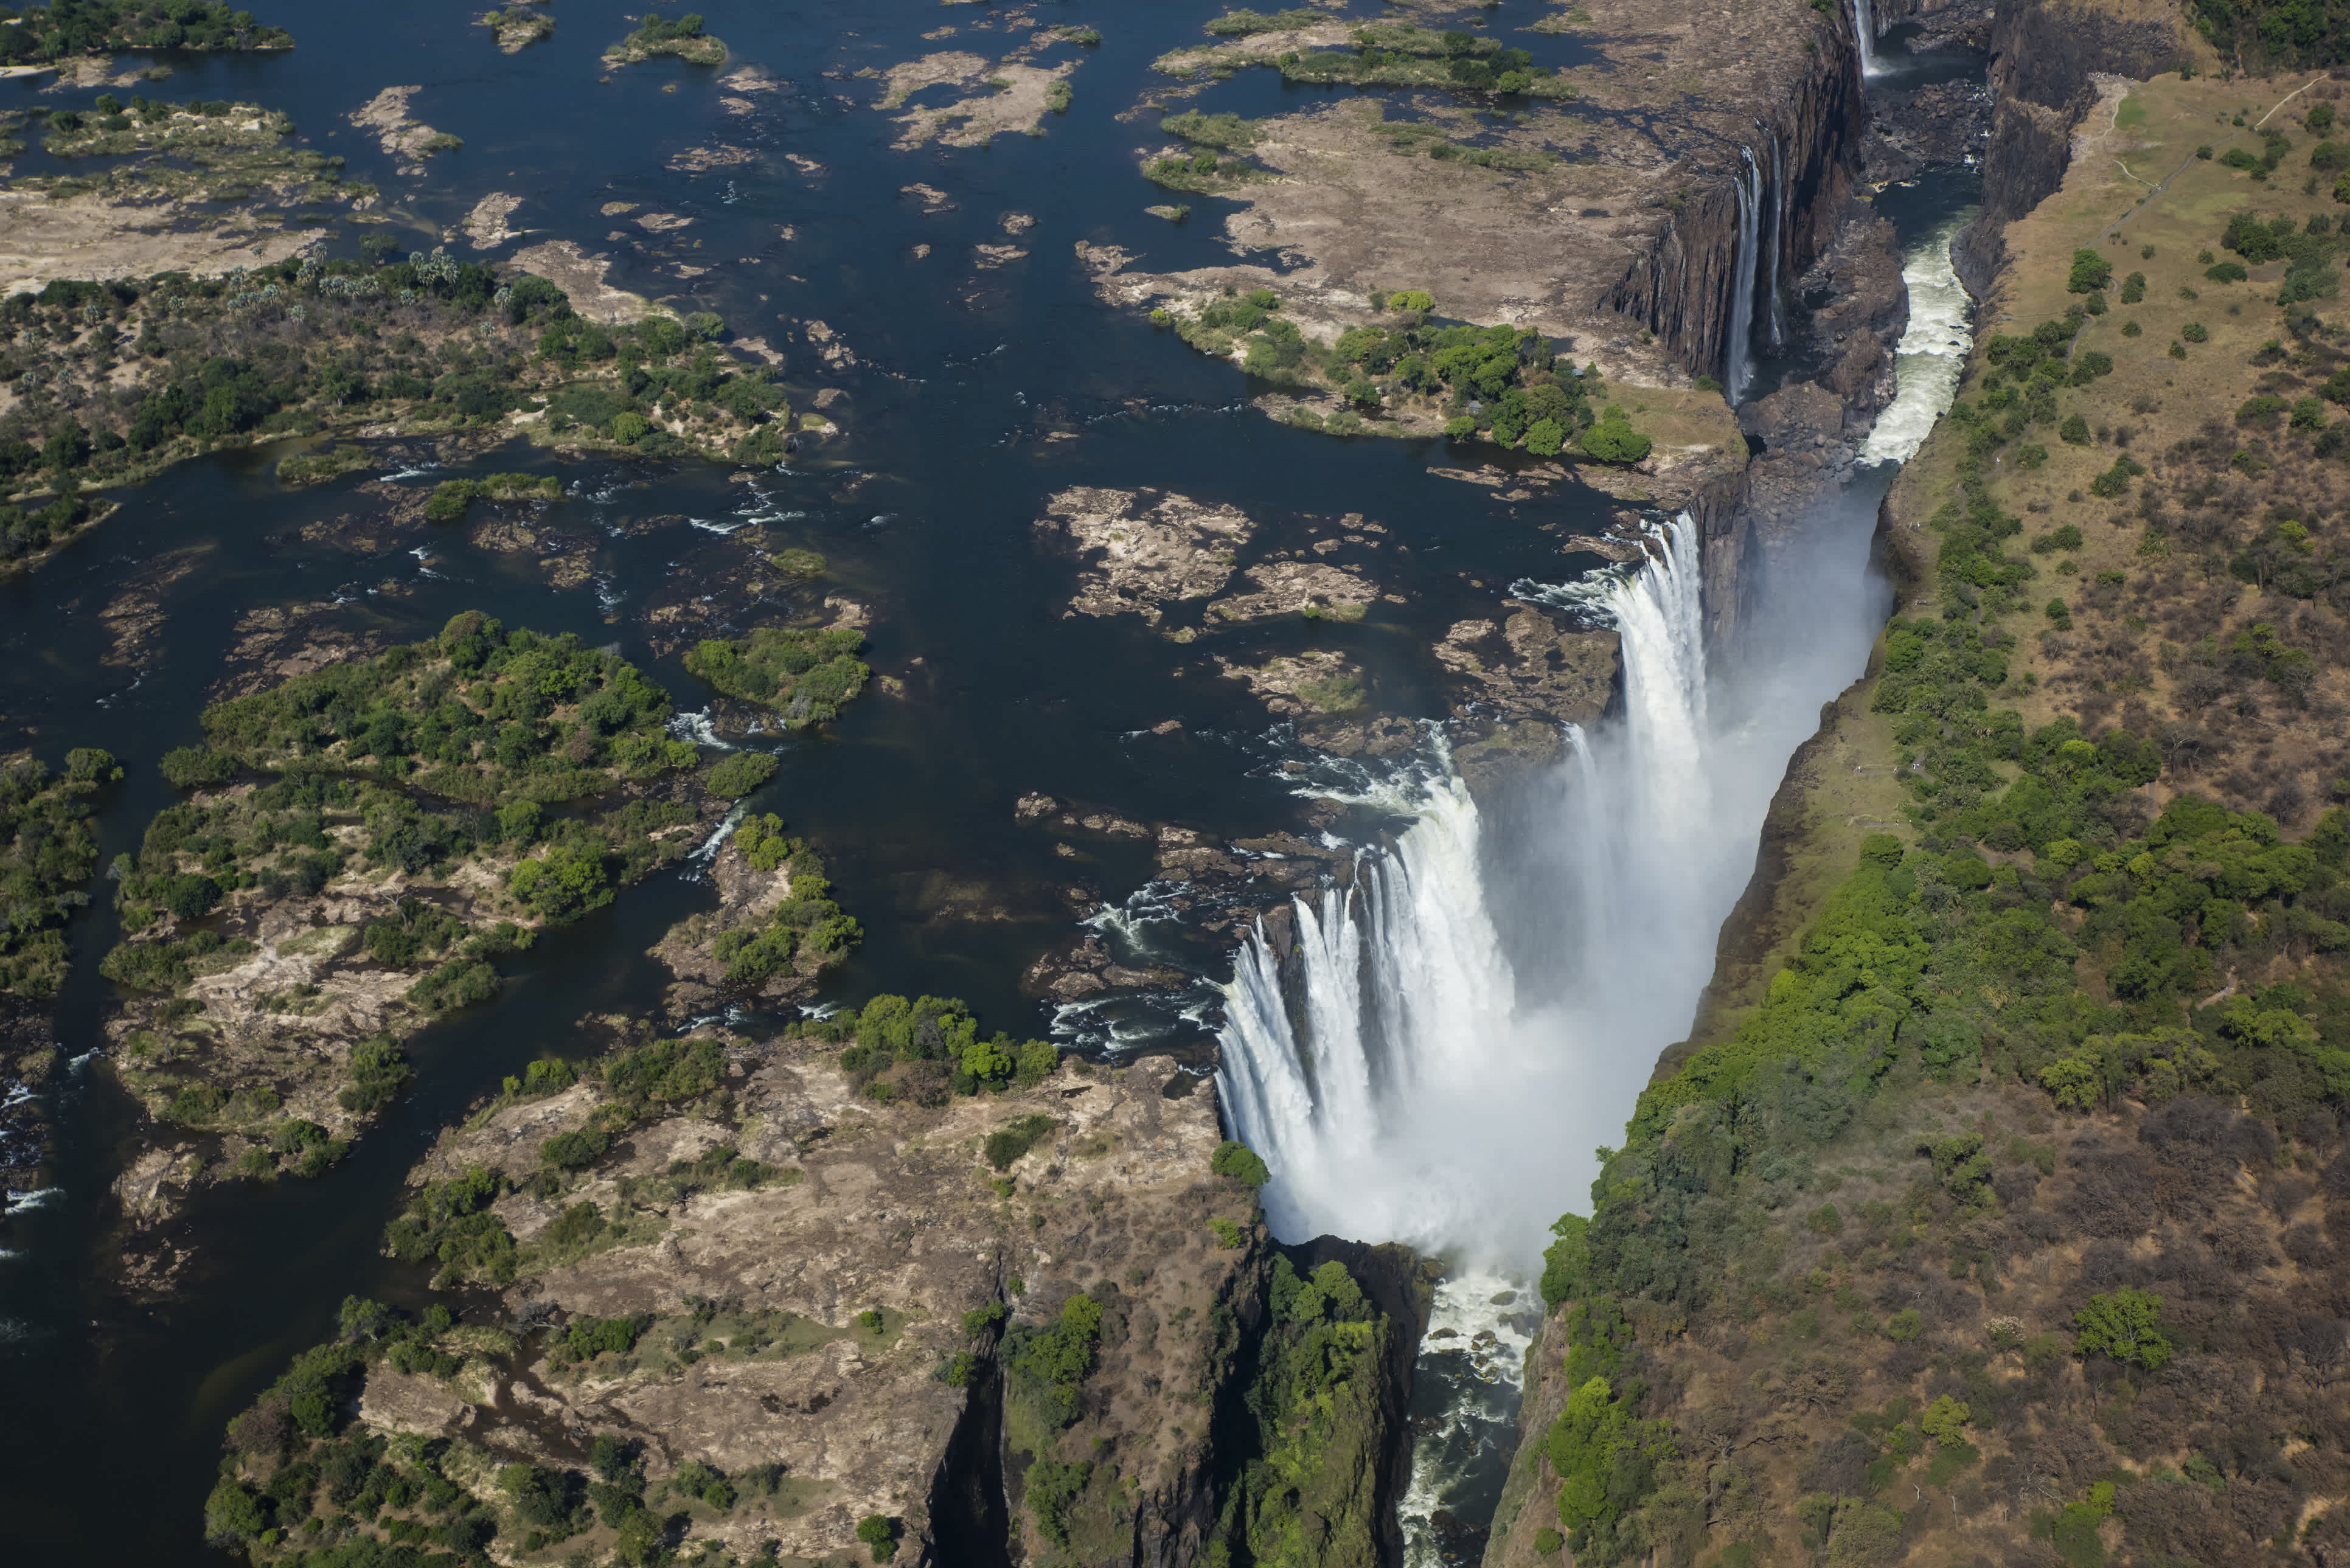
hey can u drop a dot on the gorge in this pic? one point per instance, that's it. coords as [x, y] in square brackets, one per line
[981, 786]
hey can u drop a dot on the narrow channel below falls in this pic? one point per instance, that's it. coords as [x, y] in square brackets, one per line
[1458, 1030]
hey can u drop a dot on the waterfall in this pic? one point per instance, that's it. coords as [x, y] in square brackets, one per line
[1738, 359]
[1386, 1067]
[1403, 998]
[1778, 230]
[1863, 31]
[1434, 1058]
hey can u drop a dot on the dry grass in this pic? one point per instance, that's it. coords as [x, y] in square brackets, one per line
[2137, 183]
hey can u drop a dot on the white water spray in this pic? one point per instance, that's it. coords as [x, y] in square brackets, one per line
[1401, 1075]
[1863, 31]
[1933, 347]
[1738, 359]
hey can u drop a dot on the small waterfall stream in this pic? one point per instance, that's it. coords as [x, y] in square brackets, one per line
[1863, 31]
[1778, 307]
[1738, 359]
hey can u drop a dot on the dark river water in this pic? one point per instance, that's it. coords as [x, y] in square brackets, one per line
[110, 1415]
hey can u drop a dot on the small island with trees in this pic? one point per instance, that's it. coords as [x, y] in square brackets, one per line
[44, 35]
[660, 36]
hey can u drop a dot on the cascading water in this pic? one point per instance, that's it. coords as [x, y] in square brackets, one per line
[1395, 1028]
[1404, 1002]
[1863, 31]
[1738, 359]
[1933, 347]
[1778, 308]
[1405, 1080]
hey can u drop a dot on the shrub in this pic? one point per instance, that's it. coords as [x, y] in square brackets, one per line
[571, 1150]
[460, 983]
[2090, 271]
[1052, 1487]
[195, 767]
[2125, 1325]
[880, 1534]
[1008, 1143]
[563, 884]
[739, 773]
[1613, 439]
[1050, 1366]
[1241, 1162]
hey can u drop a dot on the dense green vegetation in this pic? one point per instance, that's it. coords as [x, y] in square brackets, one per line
[431, 754]
[1494, 383]
[806, 676]
[47, 855]
[1383, 54]
[681, 36]
[929, 1048]
[40, 33]
[2275, 34]
[307, 1486]
[303, 347]
[1400, 54]
[408, 764]
[807, 932]
[1306, 1487]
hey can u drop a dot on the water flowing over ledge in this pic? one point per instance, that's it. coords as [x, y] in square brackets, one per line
[1388, 1066]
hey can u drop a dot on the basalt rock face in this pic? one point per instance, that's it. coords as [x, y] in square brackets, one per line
[1684, 288]
[2043, 56]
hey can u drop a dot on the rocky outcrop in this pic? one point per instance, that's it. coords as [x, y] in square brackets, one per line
[1803, 146]
[2043, 56]
[904, 1213]
[1143, 550]
[1528, 1504]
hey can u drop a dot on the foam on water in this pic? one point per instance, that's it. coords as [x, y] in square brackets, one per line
[1933, 348]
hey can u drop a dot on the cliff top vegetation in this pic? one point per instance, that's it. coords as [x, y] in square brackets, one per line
[2011, 1188]
[45, 34]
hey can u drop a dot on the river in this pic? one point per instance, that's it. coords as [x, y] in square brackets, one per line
[966, 378]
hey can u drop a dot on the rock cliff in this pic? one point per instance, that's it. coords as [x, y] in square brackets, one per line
[2043, 56]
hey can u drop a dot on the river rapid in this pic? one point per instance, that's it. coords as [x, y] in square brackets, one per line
[978, 392]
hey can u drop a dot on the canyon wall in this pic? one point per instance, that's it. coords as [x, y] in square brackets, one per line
[1683, 288]
[2043, 57]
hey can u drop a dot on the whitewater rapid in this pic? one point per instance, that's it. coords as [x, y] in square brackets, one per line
[1933, 347]
[1394, 1071]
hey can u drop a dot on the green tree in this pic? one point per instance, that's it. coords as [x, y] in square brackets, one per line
[1945, 1420]
[564, 884]
[2124, 1325]
[2090, 271]
[1239, 1161]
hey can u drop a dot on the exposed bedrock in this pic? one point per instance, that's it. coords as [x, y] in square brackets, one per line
[2043, 56]
[1782, 192]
